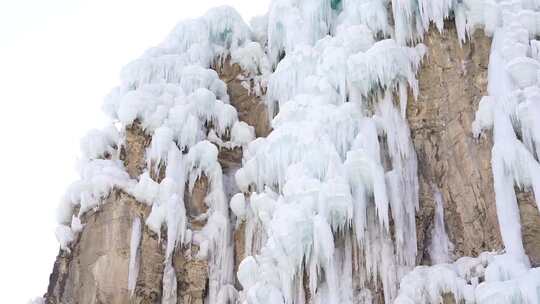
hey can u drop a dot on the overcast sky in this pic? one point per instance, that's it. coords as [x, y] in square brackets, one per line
[58, 59]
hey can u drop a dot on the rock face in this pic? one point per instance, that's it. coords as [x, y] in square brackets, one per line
[452, 80]
[530, 226]
[97, 269]
[250, 108]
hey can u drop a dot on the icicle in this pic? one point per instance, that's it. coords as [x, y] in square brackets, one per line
[134, 254]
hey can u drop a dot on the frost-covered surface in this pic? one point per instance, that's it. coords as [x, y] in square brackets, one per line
[65, 236]
[334, 186]
[489, 279]
[98, 178]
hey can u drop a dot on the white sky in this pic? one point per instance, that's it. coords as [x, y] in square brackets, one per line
[58, 59]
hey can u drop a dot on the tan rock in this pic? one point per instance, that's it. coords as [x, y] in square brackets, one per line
[530, 226]
[251, 109]
[98, 267]
[452, 80]
[192, 276]
[134, 149]
[195, 203]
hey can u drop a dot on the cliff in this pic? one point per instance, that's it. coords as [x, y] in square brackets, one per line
[118, 256]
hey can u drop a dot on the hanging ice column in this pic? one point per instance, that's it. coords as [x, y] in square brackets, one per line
[317, 183]
[513, 108]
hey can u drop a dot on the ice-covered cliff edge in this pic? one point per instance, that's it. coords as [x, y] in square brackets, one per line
[346, 193]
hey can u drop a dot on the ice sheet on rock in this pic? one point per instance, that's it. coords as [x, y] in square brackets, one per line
[385, 65]
[271, 163]
[169, 284]
[402, 180]
[367, 173]
[149, 103]
[440, 248]
[97, 179]
[64, 236]
[315, 143]
[192, 42]
[287, 79]
[484, 116]
[166, 68]
[371, 13]
[523, 71]
[226, 27]
[159, 147]
[202, 159]
[238, 205]
[242, 134]
[166, 199]
[194, 78]
[293, 23]
[76, 225]
[321, 165]
[134, 254]
[252, 59]
[146, 190]
[528, 113]
[412, 18]
[259, 28]
[181, 109]
[99, 143]
[340, 70]
[489, 278]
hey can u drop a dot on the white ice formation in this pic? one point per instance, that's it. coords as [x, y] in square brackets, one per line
[330, 195]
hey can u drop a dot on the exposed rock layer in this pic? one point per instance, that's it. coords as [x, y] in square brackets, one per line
[452, 80]
[97, 269]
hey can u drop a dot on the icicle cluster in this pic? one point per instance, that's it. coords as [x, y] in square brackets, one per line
[318, 179]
